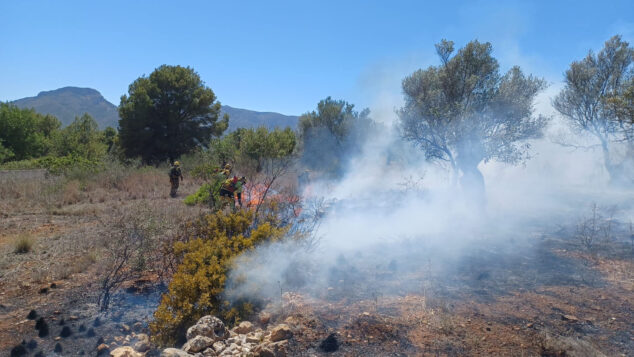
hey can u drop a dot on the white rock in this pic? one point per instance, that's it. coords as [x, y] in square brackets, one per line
[174, 352]
[281, 332]
[209, 326]
[197, 344]
[244, 327]
[126, 351]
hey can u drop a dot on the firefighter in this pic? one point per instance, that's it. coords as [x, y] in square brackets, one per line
[220, 176]
[176, 176]
[239, 187]
[227, 190]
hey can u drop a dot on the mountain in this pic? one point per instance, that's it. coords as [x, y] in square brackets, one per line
[68, 102]
[243, 118]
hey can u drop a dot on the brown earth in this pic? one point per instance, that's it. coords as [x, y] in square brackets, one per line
[557, 300]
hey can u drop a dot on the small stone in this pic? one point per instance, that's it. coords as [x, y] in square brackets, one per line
[125, 351]
[73, 318]
[265, 317]
[197, 344]
[138, 326]
[209, 353]
[174, 352]
[218, 346]
[102, 347]
[244, 327]
[570, 318]
[281, 332]
[125, 328]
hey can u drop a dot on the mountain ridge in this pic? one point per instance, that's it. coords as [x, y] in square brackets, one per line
[67, 102]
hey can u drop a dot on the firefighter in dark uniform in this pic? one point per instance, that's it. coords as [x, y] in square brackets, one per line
[176, 176]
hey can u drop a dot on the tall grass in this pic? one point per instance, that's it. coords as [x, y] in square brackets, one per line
[23, 243]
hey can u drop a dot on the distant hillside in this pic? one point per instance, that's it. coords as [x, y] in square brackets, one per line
[68, 102]
[243, 118]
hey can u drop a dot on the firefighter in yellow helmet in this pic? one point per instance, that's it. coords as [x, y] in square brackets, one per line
[176, 176]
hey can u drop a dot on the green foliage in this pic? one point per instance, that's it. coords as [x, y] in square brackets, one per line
[199, 197]
[256, 146]
[199, 281]
[82, 138]
[597, 97]
[168, 114]
[464, 111]
[58, 165]
[24, 134]
[331, 133]
[252, 148]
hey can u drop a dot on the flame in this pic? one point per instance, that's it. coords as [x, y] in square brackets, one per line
[253, 196]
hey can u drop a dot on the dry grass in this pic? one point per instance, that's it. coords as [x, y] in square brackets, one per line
[23, 243]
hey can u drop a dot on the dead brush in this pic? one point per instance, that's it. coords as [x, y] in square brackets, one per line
[72, 192]
[145, 184]
[596, 229]
[23, 243]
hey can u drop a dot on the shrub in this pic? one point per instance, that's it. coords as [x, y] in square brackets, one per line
[74, 165]
[23, 244]
[199, 281]
[199, 197]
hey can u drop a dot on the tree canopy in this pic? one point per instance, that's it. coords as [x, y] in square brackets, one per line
[464, 111]
[25, 134]
[331, 133]
[168, 114]
[597, 97]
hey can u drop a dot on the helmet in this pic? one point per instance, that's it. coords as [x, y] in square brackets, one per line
[176, 163]
[228, 167]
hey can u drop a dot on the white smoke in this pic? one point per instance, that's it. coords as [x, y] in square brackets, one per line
[381, 212]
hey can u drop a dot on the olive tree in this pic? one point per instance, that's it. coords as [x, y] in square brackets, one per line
[597, 98]
[464, 112]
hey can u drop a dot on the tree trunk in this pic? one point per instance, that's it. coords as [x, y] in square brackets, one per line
[472, 183]
[614, 172]
[470, 154]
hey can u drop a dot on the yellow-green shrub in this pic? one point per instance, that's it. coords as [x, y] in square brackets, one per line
[199, 281]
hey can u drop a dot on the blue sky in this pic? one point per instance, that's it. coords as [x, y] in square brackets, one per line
[285, 56]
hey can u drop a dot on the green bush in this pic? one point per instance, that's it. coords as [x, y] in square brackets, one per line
[199, 197]
[58, 165]
[206, 257]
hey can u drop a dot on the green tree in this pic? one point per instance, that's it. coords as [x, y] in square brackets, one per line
[597, 98]
[463, 112]
[81, 138]
[25, 134]
[331, 133]
[168, 114]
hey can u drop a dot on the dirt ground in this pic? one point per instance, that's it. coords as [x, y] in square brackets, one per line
[544, 296]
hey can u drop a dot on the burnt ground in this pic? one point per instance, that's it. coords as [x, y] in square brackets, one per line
[542, 297]
[543, 294]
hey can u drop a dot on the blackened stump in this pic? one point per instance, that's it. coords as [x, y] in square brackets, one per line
[330, 344]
